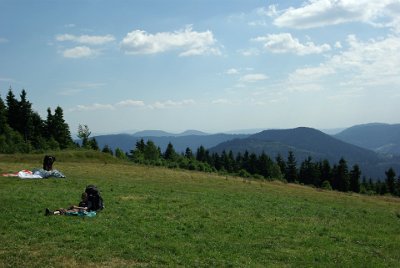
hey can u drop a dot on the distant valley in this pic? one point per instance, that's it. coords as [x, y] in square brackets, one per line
[374, 147]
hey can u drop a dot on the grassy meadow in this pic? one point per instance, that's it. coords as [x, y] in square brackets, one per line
[162, 217]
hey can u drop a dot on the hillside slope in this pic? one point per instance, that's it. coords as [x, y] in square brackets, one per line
[306, 142]
[161, 217]
[381, 138]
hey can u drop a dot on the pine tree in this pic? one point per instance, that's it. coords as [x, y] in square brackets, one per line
[120, 154]
[252, 164]
[291, 168]
[151, 151]
[397, 187]
[265, 165]
[170, 153]
[188, 153]
[201, 154]
[61, 132]
[325, 171]
[341, 177]
[355, 175]
[390, 180]
[309, 173]
[281, 163]
[12, 111]
[25, 116]
[107, 150]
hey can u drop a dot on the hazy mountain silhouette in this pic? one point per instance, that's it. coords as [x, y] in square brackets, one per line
[180, 142]
[381, 138]
[306, 142]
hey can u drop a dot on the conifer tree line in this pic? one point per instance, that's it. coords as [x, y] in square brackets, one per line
[320, 174]
[22, 130]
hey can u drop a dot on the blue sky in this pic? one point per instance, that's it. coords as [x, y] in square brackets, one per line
[214, 66]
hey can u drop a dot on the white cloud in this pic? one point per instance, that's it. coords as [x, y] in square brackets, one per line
[221, 101]
[3, 40]
[134, 103]
[364, 65]
[251, 78]
[249, 52]
[187, 41]
[271, 11]
[171, 104]
[93, 107]
[86, 39]
[285, 43]
[374, 62]
[80, 52]
[338, 45]
[309, 78]
[232, 71]
[319, 13]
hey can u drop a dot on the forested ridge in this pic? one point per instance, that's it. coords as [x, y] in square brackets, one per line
[22, 130]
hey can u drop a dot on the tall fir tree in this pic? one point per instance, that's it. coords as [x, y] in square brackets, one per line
[342, 179]
[291, 168]
[12, 110]
[390, 180]
[62, 133]
[170, 153]
[355, 175]
[281, 163]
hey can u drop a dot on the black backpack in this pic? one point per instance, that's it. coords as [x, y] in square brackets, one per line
[95, 201]
[48, 162]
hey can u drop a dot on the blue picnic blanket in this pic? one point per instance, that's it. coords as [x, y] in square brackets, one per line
[81, 213]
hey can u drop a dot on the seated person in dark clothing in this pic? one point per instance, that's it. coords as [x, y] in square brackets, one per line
[84, 205]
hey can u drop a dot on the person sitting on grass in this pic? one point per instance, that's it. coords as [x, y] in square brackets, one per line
[83, 208]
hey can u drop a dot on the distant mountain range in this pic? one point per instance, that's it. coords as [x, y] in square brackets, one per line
[305, 142]
[160, 133]
[180, 142]
[381, 138]
[374, 147]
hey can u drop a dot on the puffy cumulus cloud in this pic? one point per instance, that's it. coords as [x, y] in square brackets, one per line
[363, 65]
[171, 104]
[319, 13]
[86, 39]
[251, 78]
[188, 41]
[285, 43]
[374, 62]
[80, 52]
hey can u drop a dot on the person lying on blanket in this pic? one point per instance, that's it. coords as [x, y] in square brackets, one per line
[83, 208]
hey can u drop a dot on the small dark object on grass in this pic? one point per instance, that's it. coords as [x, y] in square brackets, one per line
[48, 162]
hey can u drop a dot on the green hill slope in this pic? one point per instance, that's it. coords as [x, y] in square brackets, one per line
[161, 217]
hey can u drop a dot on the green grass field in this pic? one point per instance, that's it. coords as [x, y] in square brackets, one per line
[162, 217]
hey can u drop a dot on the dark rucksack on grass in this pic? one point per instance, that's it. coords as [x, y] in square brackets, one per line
[94, 198]
[48, 162]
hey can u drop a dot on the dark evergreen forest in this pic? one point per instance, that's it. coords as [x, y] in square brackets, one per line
[22, 130]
